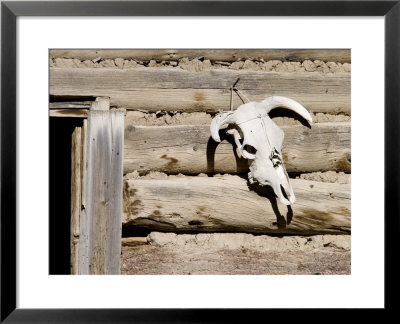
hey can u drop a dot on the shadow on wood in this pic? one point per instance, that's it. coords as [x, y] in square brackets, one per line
[227, 204]
[241, 164]
[267, 192]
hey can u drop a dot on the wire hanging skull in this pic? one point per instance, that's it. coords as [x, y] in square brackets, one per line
[260, 140]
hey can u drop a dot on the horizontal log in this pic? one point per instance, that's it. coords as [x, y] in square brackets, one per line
[177, 90]
[228, 55]
[191, 150]
[227, 204]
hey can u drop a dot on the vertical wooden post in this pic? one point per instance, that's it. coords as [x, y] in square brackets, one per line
[76, 189]
[101, 222]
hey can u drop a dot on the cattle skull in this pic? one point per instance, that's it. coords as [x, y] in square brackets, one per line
[260, 140]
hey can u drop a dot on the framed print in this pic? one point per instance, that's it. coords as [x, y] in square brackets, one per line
[146, 112]
[171, 159]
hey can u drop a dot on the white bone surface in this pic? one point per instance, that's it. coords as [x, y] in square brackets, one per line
[251, 126]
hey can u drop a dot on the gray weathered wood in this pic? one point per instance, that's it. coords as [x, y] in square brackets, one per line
[76, 195]
[84, 224]
[78, 109]
[114, 226]
[191, 150]
[70, 105]
[101, 103]
[226, 204]
[178, 90]
[102, 223]
[228, 55]
[85, 218]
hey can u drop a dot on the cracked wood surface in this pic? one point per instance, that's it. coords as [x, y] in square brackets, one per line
[191, 150]
[100, 225]
[228, 204]
[177, 90]
[228, 55]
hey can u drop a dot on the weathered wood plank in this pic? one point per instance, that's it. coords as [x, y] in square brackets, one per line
[191, 150]
[78, 109]
[76, 195]
[167, 78]
[102, 223]
[228, 55]
[77, 113]
[70, 105]
[85, 226]
[227, 204]
[133, 241]
[178, 90]
[84, 168]
[114, 224]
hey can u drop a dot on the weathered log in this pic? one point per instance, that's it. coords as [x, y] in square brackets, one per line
[227, 55]
[191, 150]
[178, 90]
[228, 204]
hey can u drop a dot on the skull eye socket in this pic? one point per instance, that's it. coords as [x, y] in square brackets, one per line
[250, 149]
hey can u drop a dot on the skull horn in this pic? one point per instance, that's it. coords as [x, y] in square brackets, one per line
[221, 119]
[282, 102]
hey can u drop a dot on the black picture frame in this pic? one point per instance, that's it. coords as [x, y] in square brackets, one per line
[10, 10]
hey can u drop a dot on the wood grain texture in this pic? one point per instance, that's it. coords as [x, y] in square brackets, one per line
[114, 226]
[102, 223]
[228, 204]
[84, 222]
[76, 113]
[155, 260]
[228, 55]
[84, 162]
[70, 105]
[191, 150]
[76, 196]
[177, 90]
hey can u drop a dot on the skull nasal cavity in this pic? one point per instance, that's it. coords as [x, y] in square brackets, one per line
[250, 149]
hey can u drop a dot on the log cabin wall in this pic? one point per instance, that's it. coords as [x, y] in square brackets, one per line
[176, 178]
